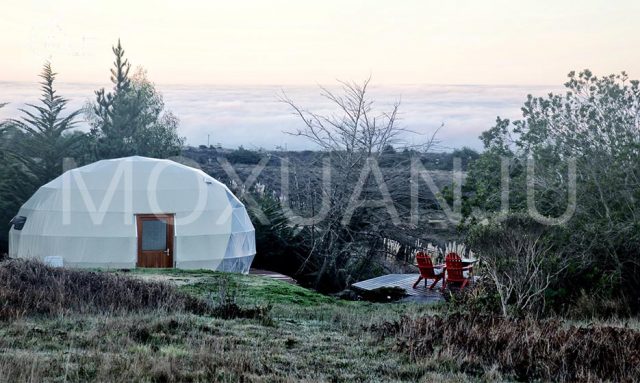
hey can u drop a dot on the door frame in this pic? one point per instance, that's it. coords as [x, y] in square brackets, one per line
[171, 232]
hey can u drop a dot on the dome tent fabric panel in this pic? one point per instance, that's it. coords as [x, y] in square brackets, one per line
[241, 242]
[240, 220]
[237, 265]
[87, 216]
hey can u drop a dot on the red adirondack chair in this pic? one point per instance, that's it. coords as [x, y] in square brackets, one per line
[456, 271]
[428, 270]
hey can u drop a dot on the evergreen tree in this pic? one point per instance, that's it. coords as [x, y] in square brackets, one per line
[156, 132]
[32, 149]
[15, 186]
[131, 119]
[46, 138]
[113, 112]
[6, 205]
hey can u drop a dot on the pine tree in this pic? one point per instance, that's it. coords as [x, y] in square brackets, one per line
[114, 112]
[120, 74]
[130, 120]
[47, 137]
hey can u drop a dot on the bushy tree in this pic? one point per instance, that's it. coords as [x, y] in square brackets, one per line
[521, 259]
[279, 245]
[596, 123]
[15, 188]
[156, 129]
[243, 156]
[131, 119]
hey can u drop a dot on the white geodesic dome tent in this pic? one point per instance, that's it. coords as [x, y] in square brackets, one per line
[135, 211]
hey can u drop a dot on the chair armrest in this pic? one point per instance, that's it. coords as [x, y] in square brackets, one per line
[440, 266]
[470, 267]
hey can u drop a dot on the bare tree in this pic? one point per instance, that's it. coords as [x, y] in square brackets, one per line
[360, 202]
[520, 261]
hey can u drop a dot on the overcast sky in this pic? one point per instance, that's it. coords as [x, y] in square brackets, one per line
[305, 42]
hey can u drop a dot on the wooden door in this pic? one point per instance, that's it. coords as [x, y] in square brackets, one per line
[155, 240]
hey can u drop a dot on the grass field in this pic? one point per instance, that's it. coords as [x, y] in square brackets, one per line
[61, 325]
[305, 337]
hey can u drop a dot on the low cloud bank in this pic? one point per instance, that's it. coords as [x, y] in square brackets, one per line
[253, 116]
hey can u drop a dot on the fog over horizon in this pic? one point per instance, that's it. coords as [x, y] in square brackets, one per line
[254, 116]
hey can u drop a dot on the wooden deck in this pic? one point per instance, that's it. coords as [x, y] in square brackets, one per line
[403, 281]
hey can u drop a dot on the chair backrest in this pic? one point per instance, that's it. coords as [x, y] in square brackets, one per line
[425, 265]
[454, 267]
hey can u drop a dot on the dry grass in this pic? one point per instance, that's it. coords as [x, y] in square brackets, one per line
[63, 328]
[525, 349]
[309, 337]
[29, 288]
[149, 347]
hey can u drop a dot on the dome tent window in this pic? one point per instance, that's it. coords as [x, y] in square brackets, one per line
[18, 222]
[93, 216]
[154, 235]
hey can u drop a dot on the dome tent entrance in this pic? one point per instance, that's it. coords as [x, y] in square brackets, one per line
[136, 211]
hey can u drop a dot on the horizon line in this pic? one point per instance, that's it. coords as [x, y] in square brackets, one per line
[373, 84]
